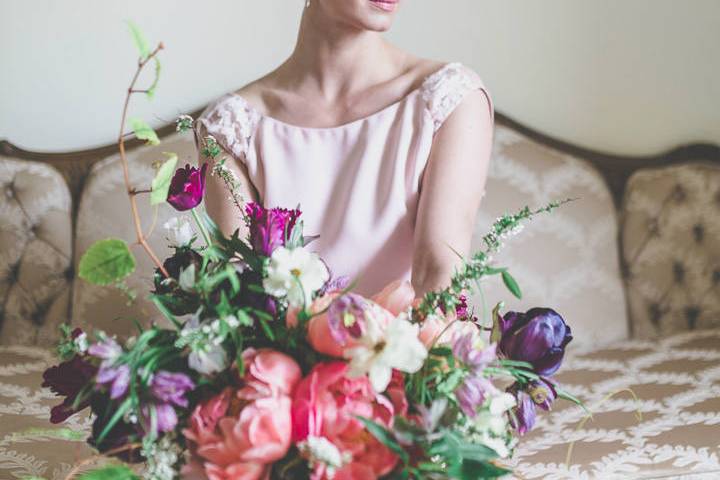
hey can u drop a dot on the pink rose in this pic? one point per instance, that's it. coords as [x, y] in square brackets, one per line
[239, 446]
[431, 329]
[268, 373]
[326, 404]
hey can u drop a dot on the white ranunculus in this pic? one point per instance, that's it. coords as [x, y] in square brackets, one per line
[209, 360]
[379, 352]
[180, 231]
[295, 274]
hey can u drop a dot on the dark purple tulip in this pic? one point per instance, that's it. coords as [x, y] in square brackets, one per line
[269, 227]
[538, 337]
[525, 413]
[170, 388]
[67, 380]
[187, 187]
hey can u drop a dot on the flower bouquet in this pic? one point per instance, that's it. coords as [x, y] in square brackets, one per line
[268, 367]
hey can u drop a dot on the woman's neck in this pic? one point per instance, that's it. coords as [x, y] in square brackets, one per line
[339, 60]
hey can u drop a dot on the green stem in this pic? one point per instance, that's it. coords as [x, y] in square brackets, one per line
[202, 228]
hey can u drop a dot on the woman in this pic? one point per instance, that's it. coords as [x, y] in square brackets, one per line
[386, 153]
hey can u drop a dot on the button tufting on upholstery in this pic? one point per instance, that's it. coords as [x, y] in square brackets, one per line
[656, 313]
[699, 232]
[679, 194]
[670, 226]
[679, 272]
[654, 227]
[692, 313]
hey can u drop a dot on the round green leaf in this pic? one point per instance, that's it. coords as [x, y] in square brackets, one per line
[106, 262]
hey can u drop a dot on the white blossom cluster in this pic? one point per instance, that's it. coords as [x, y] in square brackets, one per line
[320, 451]
[490, 425]
[162, 459]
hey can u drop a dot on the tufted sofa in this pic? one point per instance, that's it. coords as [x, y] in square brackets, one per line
[633, 264]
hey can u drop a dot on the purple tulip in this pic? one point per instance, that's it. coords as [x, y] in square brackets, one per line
[117, 378]
[67, 380]
[466, 350]
[269, 227]
[187, 187]
[525, 413]
[538, 337]
[473, 392]
[170, 388]
[543, 393]
[346, 317]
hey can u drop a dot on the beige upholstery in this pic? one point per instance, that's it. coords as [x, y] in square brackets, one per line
[567, 260]
[105, 212]
[677, 383]
[671, 241]
[35, 252]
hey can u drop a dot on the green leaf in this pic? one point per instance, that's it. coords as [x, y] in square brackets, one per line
[511, 284]
[143, 131]
[141, 43]
[111, 472]
[385, 437]
[161, 183]
[152, 88]
[107, 262]
[60, 433]
[124, 407]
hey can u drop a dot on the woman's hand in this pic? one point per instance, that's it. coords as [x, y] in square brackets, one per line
[452, 187]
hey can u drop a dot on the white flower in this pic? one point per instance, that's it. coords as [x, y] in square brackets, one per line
[501, 404]
[208, 360]
[186, 280]
[295, 274]
[379, 352]
[319, 450]
[180, 231]
[81, 343]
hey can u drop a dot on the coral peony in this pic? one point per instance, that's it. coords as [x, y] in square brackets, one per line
[268, 374]
[327, 404]
[233, 445]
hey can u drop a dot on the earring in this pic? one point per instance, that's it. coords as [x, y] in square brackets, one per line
[307, 4]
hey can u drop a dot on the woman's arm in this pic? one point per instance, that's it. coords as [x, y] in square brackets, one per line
[218, 201]
[452, 187]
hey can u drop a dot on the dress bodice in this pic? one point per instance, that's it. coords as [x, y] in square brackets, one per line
[358, 184]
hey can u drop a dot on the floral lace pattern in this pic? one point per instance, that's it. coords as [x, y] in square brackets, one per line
[445, 89]
[232, 121]
[677, 384]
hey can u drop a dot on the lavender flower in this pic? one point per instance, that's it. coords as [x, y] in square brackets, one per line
[107, 350]
[346, 317]
[525, 413]
[538, 337]
[473, 392]
[466, 349]
[116, 378]
[535, 394]
[170, 388]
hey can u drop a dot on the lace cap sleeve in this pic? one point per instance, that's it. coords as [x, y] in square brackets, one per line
[445, 89]
[232, 121]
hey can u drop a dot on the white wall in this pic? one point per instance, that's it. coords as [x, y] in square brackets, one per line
[632, 76]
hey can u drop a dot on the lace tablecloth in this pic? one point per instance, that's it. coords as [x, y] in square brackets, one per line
[676, 381]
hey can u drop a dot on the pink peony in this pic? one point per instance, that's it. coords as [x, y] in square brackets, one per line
[326, 404]
[237, 435]
[268, 374]
[239, 446]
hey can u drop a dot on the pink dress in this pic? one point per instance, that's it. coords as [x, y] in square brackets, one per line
[357, 184]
